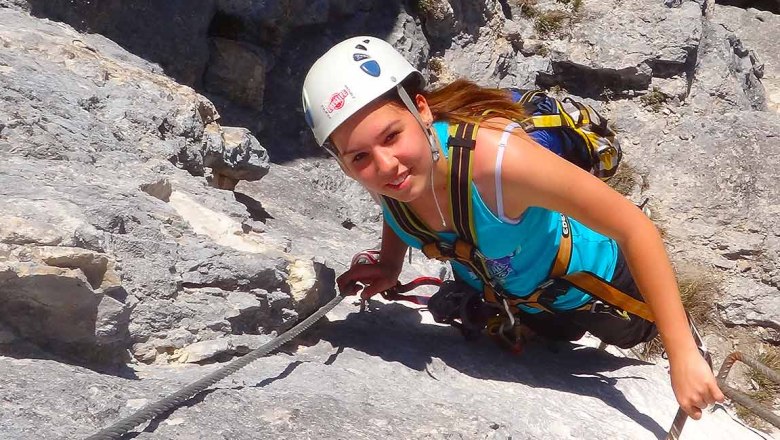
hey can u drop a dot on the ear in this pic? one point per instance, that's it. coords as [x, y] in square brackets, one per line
[424, 109]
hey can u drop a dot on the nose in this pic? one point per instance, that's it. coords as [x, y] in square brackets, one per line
[385, 161]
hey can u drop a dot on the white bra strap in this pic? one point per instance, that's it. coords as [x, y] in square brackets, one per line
[499, 159]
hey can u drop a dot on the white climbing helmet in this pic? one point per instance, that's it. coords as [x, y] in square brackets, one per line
[347, 78]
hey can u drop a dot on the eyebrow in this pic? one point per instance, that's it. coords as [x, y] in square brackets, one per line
[389, 127]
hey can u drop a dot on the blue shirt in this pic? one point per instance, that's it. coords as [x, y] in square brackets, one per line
[520, 254]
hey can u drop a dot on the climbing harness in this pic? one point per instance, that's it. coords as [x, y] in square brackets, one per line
[459, 305]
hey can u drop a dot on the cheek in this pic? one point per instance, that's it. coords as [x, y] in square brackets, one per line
[412, 148]
[362, 175]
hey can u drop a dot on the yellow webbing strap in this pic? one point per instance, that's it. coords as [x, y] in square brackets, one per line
[461, 144]
[592, 284]
[584, 118]
[547, 121]
[531, 300]
[563, 257]
[408, 221]
[529, 95]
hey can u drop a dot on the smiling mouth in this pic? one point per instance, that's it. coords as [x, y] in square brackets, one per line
[398, 181]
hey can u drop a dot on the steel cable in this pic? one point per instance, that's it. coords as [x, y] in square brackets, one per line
[148, 412]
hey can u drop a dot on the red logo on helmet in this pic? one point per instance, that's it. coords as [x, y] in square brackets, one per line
[337, 101]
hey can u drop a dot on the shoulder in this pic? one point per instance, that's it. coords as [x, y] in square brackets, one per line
[491, 133]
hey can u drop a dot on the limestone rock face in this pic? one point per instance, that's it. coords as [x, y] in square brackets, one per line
[149, 236]
[752, 33]
[158, 32]
[237, 70]
[233, 153]
[108, 233]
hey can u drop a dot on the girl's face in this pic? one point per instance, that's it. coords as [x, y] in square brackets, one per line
[384, 148]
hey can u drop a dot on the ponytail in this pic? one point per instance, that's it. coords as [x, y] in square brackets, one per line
[465, 101]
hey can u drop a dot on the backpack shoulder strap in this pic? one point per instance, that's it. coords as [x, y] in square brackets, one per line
[408, 221]
[461, 143]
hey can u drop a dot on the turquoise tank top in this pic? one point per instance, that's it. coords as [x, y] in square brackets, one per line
[520, 254]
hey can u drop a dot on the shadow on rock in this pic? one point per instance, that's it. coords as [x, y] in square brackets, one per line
[26, 350]
[395, 333]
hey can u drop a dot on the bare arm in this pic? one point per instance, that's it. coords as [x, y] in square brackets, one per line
[534, 176]
[561, 186]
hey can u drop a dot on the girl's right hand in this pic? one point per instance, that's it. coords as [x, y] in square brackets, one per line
[375, 278]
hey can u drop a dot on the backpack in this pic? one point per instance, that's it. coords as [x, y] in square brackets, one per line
[572, 130]
[580, 136]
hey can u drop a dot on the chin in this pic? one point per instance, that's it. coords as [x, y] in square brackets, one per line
[401, 196]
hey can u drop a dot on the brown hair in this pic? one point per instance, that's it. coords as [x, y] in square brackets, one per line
[465, 101]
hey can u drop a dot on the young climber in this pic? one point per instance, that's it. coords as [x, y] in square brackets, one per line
[367, 106]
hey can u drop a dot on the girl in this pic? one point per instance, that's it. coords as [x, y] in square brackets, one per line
[366, 105]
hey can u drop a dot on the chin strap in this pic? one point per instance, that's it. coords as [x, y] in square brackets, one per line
[433, 141]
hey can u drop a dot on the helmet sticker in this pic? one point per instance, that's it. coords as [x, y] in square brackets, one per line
[372, 68]
[336, 101]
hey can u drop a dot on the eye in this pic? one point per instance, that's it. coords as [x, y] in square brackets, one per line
[358, 157]
[391, 137]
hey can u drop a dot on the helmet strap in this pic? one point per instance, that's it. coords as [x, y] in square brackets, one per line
[432, 140]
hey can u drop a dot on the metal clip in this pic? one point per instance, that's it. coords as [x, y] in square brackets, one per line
[599, 306]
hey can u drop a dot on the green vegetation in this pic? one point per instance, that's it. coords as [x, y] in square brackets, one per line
[527, 8]
[550, 22]
[575, 4]
[624, 179]
[765, 392]
[654, 99]
[697, 292]
[436, 65]
[431, 8]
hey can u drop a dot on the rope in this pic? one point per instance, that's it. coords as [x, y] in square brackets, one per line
[148, 412]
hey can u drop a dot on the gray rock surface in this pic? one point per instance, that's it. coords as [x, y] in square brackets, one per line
[757, 31]
[388, 373]
[114, 239]
[237, 70]
[161, 32]
[90, 140]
